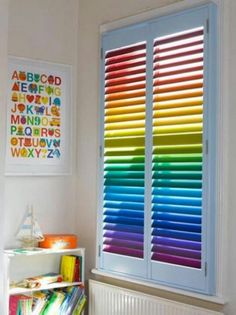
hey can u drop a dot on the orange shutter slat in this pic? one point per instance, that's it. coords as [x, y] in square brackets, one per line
[125, 87]
[125, 80]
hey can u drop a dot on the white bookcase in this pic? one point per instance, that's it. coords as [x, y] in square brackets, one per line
[21, 264]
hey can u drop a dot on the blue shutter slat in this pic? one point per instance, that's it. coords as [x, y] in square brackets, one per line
[196, 228]
[126, 190]
[123, 220]
[177, 209]
[177, 200]
[161, 191]
[176, 217]
[124, 212]
[124, 197]
[123, 205]
[177, 234]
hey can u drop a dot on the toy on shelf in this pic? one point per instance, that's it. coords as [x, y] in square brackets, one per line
[29, 233]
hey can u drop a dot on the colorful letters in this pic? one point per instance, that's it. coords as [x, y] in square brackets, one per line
[35, 115]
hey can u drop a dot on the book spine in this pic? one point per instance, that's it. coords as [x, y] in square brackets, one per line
[80, 268]
[77, 270]
[81, 306]
[68, 267]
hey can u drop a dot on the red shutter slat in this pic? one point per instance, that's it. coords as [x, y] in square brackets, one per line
[171, 39]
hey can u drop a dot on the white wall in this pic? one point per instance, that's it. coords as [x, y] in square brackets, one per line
[230, 141]
[3, 67]
[49, 30]
[45, 30]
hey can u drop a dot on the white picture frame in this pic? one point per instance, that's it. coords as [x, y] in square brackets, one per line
[38, 136]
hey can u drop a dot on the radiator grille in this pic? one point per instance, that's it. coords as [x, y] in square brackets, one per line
[106, 299]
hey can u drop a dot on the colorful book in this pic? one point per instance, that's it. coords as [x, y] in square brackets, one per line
[64, 304]
[80, 306]
[80, 266]
[76, 270]
[42, 280]
[39, 302]
[13, 304]
[48, 294]
[20, 305]
[24, 306]
[73, 295]
[56, 299]
[54, 303]
[67, 268]
[62, 301]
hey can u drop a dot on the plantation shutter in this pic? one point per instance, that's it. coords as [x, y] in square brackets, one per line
[177, 150]
[180, 202]
[124, 156]
[159, 231]
[124, 151]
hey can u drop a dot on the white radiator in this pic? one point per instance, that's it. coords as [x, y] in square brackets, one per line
[106, 299]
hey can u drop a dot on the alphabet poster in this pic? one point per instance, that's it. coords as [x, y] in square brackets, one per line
[38, 118]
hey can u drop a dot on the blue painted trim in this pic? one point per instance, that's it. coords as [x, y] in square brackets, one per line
[213, 109]
[148, 153]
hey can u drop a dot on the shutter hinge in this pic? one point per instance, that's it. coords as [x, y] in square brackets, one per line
[206, 146]
[99, 250]
[101, 53]
[205, 269]
[100, 151]
[207, 26]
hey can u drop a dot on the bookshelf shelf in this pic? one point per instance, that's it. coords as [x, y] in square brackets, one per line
[39, 251]
[21, 264]
[51, 286]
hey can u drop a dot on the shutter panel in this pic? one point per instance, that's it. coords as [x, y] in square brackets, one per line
[177, 149]
[124, 121]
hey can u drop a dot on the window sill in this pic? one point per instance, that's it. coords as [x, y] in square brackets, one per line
[214, 299]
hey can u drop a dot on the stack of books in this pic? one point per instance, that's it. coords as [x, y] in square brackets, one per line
[66, 301]
[48, 295]
[71, 268]
[20, 304]
[74, 302]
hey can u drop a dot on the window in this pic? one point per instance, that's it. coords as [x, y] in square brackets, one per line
[157, 210]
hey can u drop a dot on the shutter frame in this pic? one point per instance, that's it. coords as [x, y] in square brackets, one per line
[204, 283]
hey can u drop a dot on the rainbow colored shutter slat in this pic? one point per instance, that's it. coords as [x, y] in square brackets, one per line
[177, 149]
[124, 153]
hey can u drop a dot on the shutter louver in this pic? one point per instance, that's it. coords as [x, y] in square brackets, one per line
[177, 149]
[124, 120]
